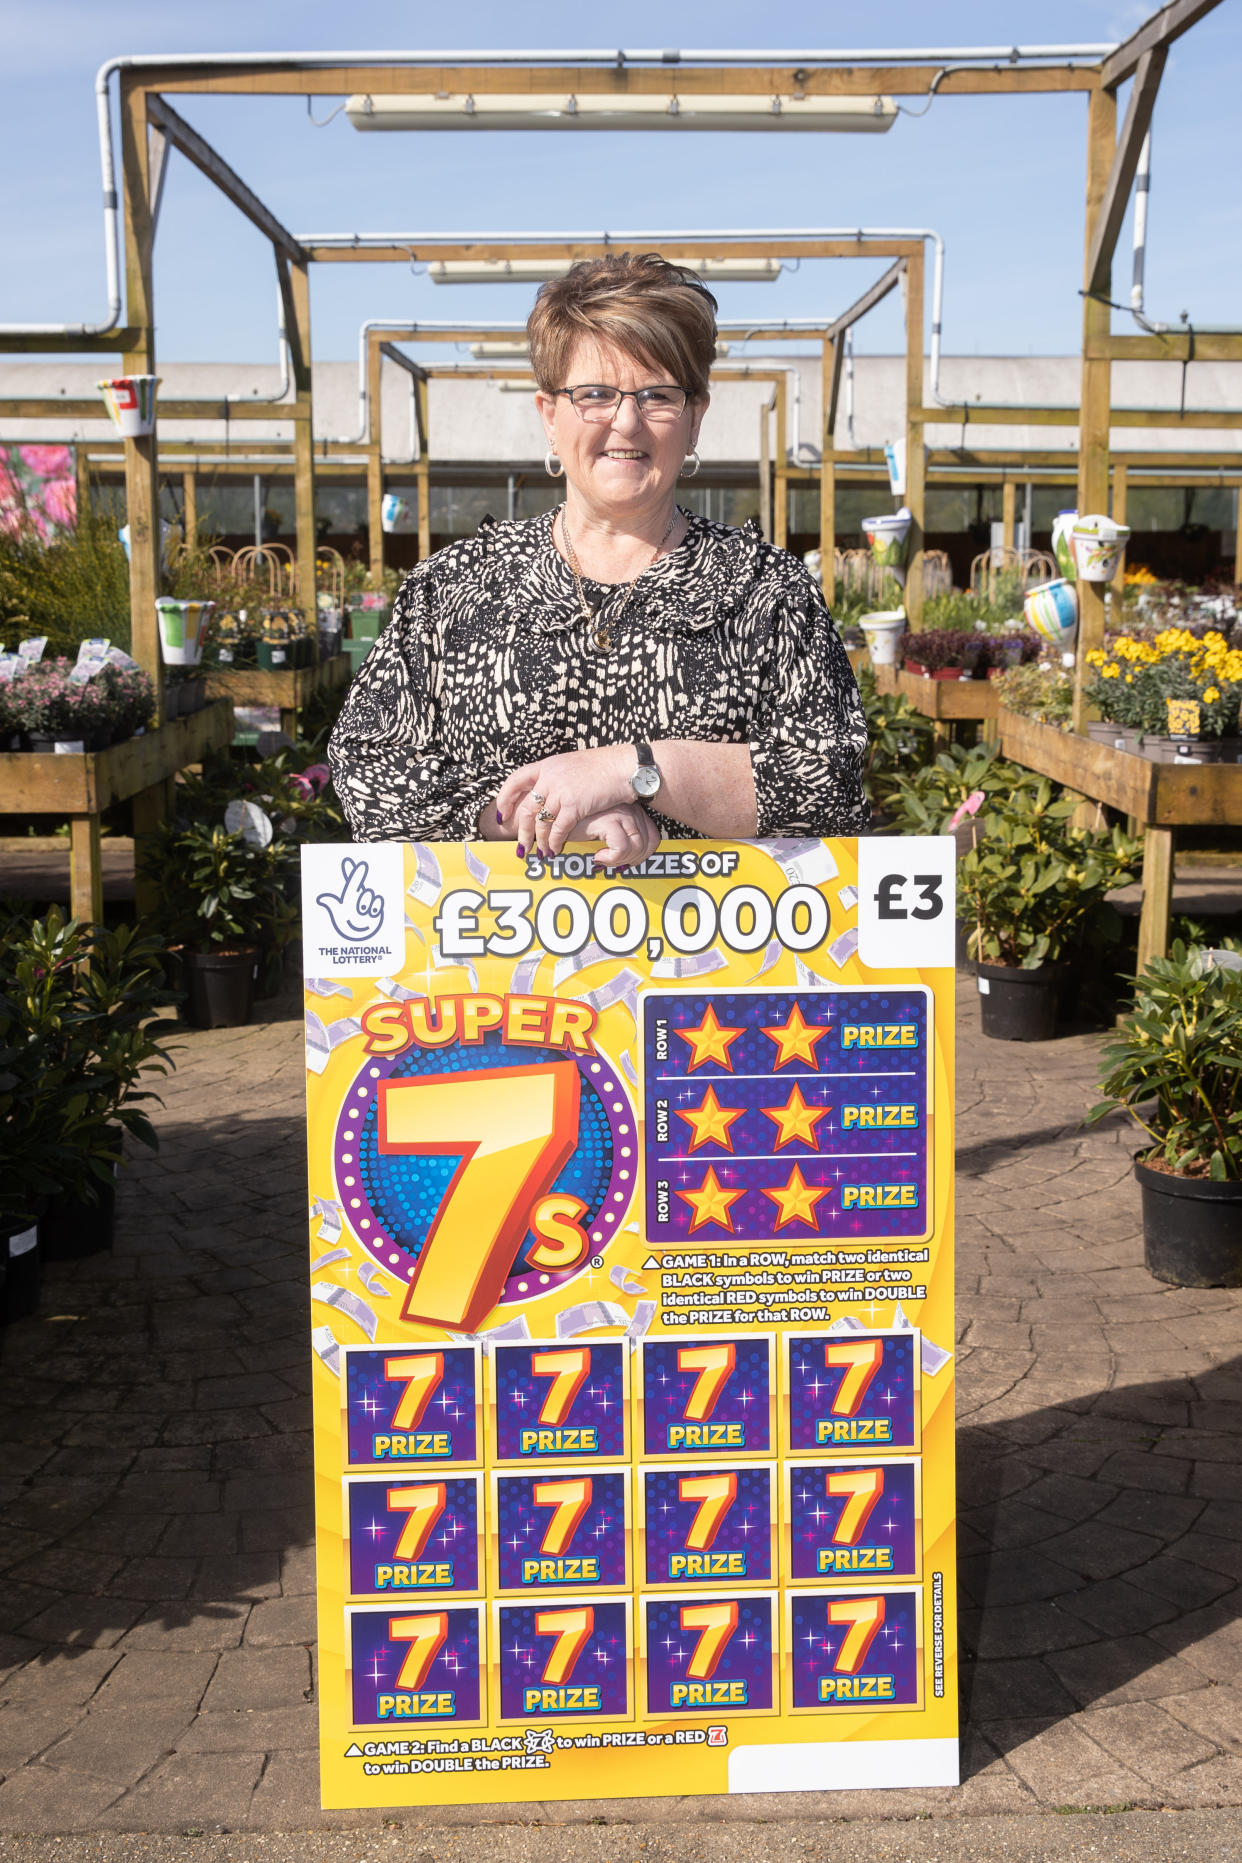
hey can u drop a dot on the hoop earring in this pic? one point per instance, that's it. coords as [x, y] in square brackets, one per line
[690, 464]
[552, 465]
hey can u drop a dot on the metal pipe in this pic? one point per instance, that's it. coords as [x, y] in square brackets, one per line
[849, 386]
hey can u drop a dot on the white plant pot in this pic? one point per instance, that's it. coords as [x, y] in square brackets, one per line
[393, 512]
[888, 537]
[130, 401]
[1099, 545]
[884, 630]
[1052, 610]
[1062, 544]
[183, 628]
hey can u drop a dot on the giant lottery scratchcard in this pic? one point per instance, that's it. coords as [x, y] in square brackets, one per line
[632, 1315]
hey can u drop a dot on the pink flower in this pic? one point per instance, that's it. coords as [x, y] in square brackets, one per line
[971, 806]
[60, 501]
[319, 774]
[47, 462]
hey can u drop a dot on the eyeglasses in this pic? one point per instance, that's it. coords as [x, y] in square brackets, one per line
[594, 401]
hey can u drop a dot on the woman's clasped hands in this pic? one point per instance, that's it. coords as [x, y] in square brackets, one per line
[581, 794]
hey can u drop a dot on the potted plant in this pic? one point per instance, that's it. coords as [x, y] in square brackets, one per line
[223, 897]
[1027, 890]
[942, 653]
[1175, 1065]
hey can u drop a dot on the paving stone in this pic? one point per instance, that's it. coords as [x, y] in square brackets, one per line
[1123, 1668]
[26, 1731]
[199, 1791]
[84, 1623]
[1215, 1711]
[188, 1627]
[1118, 1608]
[256, 1730]
[153, 1578]
[155, 1677]
[259, 1678]
[119, 1741]
[60, 1677]
[297, 1571]
[1148, 1739]
[39, 1799]
[1063, 1766]
[1001, 1691]
[238, 1575]
[278, 1621]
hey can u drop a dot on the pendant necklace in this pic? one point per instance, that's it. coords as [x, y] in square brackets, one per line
[601, 639]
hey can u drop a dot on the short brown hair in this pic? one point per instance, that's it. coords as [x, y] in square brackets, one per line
[638, 303]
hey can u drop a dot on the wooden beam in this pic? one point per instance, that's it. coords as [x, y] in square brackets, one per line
[830, 379]
[375, 462]
[1125, 164]
[422, 408]
[299, 362]
[860, 247]
[780, 485]
[868, 301]
[1094, 429]
[1008, 508]
[392, 354]
[189, 505]
[1171, 346]
[1118, 513]
[112, 343]
[142, 489]
[916, 462]
[304, 450]
[275, 78]
[1155, 34]
[217, 170]
[983, 415]
[1153, 937]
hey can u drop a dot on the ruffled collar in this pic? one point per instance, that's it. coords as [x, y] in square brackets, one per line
[699, 584]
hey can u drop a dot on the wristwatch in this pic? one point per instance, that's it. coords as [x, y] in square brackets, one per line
[646, 779]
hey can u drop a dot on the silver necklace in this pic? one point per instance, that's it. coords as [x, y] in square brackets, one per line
[601, 639]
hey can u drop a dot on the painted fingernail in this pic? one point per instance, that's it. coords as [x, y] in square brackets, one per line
[521, 851]
[499, 819]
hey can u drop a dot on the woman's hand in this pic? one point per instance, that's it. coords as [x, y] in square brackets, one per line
[627, 834]
[576, 787]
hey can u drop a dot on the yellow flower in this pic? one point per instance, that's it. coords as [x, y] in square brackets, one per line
[1129, 679]
[1210, 696]
[1111, 672]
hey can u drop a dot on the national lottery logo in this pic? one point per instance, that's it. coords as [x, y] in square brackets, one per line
[356, 910]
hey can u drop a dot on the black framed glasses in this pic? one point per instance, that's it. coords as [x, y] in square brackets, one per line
[595, 401]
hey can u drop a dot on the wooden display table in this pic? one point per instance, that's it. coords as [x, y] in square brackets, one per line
[83, 786]
[289, 689]
[945, 701]
[1160, 797]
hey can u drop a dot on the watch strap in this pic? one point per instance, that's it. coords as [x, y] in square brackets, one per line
[646, 758]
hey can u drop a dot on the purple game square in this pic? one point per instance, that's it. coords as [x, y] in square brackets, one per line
[706, 1396]
[439, 1522]
[855, 1650]
[439, 1652]
[560, 1530]
[422, 1415]
[563, 1402]
[851, 1390]
[709, 1655]
[696, 1534]
[852, 1518]
[564, 1659]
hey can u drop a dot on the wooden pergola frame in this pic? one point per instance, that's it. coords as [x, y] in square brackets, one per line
[150, 125]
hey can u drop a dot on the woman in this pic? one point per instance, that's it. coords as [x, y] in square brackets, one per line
[615, 669]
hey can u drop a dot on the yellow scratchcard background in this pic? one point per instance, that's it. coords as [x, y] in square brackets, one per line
[358, 1294]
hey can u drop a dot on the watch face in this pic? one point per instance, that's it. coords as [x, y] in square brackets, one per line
[645, 780]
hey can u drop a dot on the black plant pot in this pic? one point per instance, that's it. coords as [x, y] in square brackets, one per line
[1192, 1228]
[1017, 1004]
[220, 987]
[23, 1269]
[73, 1228]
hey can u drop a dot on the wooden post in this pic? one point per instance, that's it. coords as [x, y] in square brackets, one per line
[1153, 937]
[375, 461]
[82, 474]
[85, 869]
[1096, 383]
[304, 455]
[189, 506]
[1237, 538]
[916, 464]
[1009, 496]
[765, 468]
[422, 407]
[141, 456]
[828, 472]
[150, 807]
[1120, 489]
[780, 483]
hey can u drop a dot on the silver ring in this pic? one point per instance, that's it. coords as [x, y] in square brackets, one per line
[537, 798]
[545, 815]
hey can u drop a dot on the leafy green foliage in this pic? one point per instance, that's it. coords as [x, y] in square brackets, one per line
[1044, 693]
[926, 798]
[79, 1021]
[216, 891]
[1178, 1057]
[1033, 880]
[71, 589]
[898, 739]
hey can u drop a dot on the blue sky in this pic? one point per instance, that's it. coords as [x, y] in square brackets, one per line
[1001, 178]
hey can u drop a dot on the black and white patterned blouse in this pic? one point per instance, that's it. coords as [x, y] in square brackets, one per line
[487, 664]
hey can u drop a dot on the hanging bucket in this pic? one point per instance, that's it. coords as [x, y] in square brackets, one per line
[183, 628]
[1062, 545]
[887, 537]
[1099, 545]
[884, 630]
[131, 403]
[393, 511]
[1052, 610]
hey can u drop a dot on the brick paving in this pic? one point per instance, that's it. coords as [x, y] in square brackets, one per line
[157, 1659]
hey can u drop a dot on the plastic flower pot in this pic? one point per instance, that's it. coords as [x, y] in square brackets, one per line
[883, 631]
[72, 1228]
[183, 628]
[220, 987]
[1052, 610]
[1099, 545]
[1121, 737]
[275, 656]
[1182, 749]
[365, 624]
[131, 403]
[887, 537]
[24, 1269]
[1192, 1227]
[1017, 1004]
[1062, 547]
